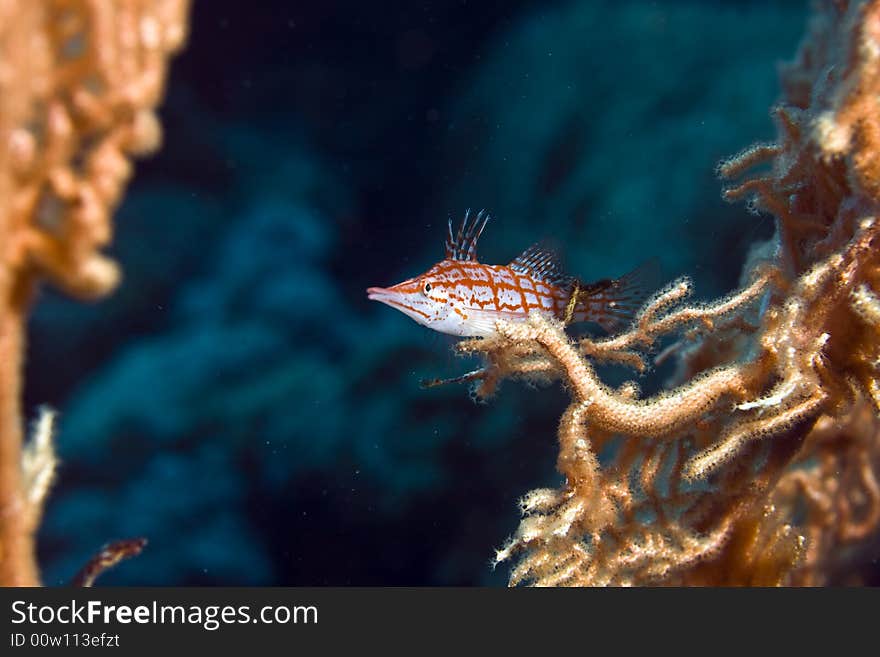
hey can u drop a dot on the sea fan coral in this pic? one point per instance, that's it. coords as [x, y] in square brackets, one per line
[79, 82]
[759, 464]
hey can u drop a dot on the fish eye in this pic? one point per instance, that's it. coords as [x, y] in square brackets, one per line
[427, 289]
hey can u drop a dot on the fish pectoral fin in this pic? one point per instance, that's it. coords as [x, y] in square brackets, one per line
[483, 323]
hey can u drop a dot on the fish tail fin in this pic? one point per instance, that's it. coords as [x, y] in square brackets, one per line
[614, 303]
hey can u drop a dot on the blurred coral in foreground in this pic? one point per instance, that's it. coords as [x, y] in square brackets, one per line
[79, 82]
[759, 464]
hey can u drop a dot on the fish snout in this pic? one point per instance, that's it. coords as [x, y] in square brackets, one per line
[377, 293]
[390, 296]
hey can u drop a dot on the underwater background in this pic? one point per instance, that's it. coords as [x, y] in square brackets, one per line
[239, 402]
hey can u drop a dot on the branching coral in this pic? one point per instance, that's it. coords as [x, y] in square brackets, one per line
[79, 82]
[760, 462]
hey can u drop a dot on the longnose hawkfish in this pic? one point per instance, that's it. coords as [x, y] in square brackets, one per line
[461, 296]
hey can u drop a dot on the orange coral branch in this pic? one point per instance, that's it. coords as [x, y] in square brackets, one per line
[79, 81]
[109, 556]
[17, 558]
[703, 491]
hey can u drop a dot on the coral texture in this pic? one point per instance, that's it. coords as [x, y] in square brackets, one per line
[79, 81]
[759, 464]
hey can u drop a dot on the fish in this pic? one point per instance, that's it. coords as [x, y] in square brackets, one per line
[463, 297]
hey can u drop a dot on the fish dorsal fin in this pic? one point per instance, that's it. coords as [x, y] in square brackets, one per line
[463, 245]
[541, 263]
